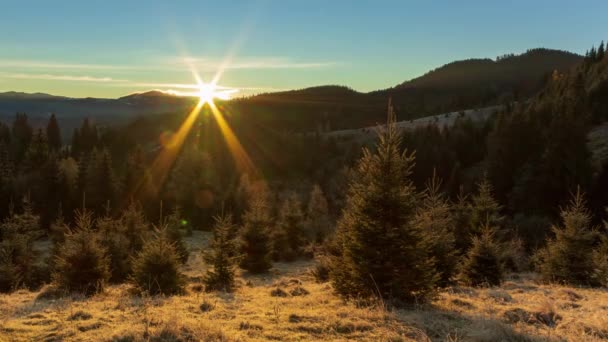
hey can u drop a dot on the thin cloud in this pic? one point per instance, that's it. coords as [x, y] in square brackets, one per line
[207, 64]
[29, 64]
[176, 88]
[50, 77]
[173, 63]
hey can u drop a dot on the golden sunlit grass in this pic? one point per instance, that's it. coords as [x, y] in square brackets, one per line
[520, 310]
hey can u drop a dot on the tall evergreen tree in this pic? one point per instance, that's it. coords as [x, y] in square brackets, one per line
[75, 147]
[380, 251]
[87, 136]
[101, 182]
[21, 136]
[37, 153]
[601, 51]
[53, 134]
[52, 192]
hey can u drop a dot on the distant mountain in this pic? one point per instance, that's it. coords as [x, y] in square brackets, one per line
[71, 111]
[29, 96]
[505, 70]
[454, 86]
[480, 82]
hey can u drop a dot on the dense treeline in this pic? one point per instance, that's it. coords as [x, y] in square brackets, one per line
[406, 214]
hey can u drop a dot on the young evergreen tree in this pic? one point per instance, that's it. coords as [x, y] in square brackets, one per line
[256, 244]
[568, 258]
[53, 134]
[221, 256]
[17, 256]
[135, 227]
[461, 212]
[381, 252]
[288, 236]
[173, 233]
[600, 259]
[112, 237]
[484, 208]
[156, 268]
[317, 215]
[482, 265]
[434, 219]
[82, 264]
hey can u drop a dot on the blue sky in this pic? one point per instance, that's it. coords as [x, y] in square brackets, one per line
[112, 48]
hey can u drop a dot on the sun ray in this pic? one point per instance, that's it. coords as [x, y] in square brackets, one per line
[169, 150]
[241, 158]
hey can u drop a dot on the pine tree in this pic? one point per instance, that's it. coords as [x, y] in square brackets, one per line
[87, 137]
[52, 192]
[221, 256]
[6, 165]
[381, 253]
[53, 134]
[134, 227]
[484, 208]
[482, 265]
[17, 235]
[82, 264]
[567, 258]
[173, 233]
[256, 246]
[461, 212]
[101, 182]
[434, 219]
[600, 259]
[137, 181]
[600, 51]
[82, 179]
[288, 237]
[317, 215]
[156, 268]
[21, 136]
[75, 146]
[38, 151]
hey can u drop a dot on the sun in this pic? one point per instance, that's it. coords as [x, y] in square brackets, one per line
[206, 92]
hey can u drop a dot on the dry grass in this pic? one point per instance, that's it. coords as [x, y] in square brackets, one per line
[520, 310]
